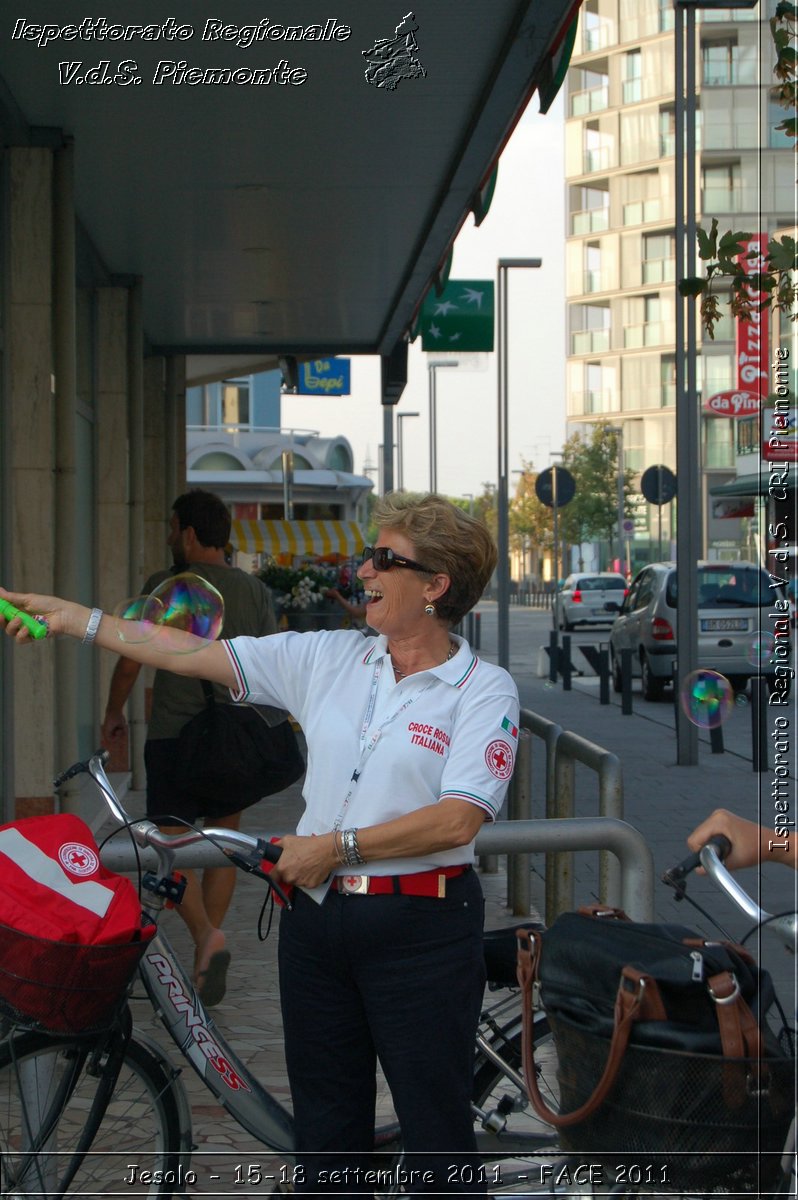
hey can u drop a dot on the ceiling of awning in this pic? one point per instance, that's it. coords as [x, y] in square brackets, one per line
[280, 219]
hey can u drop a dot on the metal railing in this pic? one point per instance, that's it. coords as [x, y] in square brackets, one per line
[505, 837]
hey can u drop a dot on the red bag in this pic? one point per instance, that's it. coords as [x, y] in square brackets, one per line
[71, 931]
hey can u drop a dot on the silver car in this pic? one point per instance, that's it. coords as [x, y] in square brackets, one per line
[583, 599]
[736, 625]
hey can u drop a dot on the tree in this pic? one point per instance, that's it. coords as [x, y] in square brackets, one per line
[772, 282]
[531, 526]
[593, 462]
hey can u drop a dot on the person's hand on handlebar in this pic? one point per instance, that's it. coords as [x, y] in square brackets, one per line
[751, 843]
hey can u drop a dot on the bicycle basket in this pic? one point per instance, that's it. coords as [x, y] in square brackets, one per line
[667, 1108]
[61, 987]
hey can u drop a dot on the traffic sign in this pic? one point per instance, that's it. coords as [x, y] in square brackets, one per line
[544, 487]
[658, 484]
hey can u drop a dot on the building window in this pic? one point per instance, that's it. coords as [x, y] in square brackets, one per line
[235, 402]
[659, 258]
[590, 328]
[777, 138]
[632, 77]
[667, 375]
[721, 188]
[725, 64]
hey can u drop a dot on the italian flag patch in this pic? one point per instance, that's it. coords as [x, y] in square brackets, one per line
[508, 727]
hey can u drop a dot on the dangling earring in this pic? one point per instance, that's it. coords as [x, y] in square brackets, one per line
[429, 609]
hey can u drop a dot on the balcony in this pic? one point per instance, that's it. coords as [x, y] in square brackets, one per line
[653, 333]
[591, 403]
[593, 220]
[640, 212]
[632, 91]
[590, 341]
[591, 100]
[599, 159]
[658, 270]
[597, 35]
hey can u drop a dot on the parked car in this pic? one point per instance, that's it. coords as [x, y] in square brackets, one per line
[583, 599]
[735, 623]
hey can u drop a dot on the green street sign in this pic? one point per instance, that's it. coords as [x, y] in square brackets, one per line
[461, 318]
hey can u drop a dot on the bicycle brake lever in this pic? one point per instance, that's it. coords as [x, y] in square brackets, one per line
[676, 877]
[252, 865]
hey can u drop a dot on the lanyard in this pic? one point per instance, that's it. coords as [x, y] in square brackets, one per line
[368, 741]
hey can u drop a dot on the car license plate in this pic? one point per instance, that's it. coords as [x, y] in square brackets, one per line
[724, 625]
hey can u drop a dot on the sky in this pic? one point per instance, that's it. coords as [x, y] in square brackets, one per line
[526, 220]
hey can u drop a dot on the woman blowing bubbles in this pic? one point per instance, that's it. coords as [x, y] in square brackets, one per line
[411, 743]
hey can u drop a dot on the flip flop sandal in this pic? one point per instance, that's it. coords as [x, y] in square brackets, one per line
[212, 982]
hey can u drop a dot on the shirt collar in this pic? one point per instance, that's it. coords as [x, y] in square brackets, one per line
[454, 671]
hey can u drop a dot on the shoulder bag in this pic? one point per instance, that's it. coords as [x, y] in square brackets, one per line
[228, 757]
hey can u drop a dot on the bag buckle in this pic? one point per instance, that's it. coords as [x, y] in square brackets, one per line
[732, 997]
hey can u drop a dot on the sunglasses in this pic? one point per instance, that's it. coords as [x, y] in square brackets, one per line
[383, 558]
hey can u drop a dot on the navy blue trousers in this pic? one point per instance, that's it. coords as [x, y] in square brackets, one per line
[394, 978]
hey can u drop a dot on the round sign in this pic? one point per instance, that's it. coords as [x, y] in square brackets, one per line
[658, 485]
[544, 487]
[733, 404]
[628, 525]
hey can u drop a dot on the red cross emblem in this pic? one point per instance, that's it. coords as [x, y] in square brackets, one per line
[78, 859]
[499, 757]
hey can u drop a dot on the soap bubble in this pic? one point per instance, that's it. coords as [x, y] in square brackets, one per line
[184, 603]
[761, 648]
[190, 605]
[707, 698]
[141, 616]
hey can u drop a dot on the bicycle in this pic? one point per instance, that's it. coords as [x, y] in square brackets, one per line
[107, 1113]
[76, 1112]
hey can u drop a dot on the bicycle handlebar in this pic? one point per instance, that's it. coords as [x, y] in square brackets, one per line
[244, 850]
[710, 857]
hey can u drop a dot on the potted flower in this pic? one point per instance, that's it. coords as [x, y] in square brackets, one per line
[300, 595]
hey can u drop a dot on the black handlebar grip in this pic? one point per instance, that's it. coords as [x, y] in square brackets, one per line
[675, 875]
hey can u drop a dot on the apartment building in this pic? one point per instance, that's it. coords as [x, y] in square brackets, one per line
[621, 269]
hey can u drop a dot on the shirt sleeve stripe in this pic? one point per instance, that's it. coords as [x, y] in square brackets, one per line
[471, 799]
[241, 690]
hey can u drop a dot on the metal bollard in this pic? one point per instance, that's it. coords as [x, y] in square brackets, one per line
[716, 739]
[565, 664]
[604, 674]
[626, 682]
[554, 652]
[477, 642]
[759, 737]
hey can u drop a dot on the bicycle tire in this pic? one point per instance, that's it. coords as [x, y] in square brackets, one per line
[56, 1080]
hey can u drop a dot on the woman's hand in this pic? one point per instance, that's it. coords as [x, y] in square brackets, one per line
[306, 861]
[58, 616]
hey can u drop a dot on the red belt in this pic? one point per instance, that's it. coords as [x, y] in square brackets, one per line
[422, 883]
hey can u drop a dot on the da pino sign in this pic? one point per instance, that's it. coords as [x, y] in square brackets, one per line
[733, 404]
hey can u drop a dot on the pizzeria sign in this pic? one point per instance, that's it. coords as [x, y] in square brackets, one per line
[733, 404]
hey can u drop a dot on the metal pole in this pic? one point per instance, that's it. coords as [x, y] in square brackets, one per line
[503, 525]
[387, 448]
[432, 367]
[620, 497]
[687, 430]
[400, 484]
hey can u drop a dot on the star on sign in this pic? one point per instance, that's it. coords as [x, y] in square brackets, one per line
[444, 308]
[472, 296]
[455, 337]
[434, 331]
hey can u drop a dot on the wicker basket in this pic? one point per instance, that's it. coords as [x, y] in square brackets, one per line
[63, 987]
[667, 1109]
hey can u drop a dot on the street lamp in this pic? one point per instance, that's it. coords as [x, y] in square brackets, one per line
[618, 431]
[432, 367]
[399, 448]
[502, 495]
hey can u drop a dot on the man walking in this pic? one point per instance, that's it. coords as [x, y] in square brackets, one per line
[199, 531]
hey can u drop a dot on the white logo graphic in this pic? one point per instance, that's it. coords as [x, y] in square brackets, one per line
[78, 859]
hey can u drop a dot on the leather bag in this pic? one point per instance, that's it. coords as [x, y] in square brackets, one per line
[660, 1041]
[228, 757]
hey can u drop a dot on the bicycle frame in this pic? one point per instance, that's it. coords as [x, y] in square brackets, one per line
[175, 1000]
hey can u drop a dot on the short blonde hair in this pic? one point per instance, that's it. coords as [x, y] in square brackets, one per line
[446, 538]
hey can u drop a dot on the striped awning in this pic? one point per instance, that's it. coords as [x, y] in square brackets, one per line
[320, 538]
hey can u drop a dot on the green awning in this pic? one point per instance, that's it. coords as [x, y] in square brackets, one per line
[752, 485]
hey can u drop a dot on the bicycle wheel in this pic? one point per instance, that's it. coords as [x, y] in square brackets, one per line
[54, 1092]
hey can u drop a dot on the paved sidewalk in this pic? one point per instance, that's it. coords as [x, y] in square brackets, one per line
[662, 800]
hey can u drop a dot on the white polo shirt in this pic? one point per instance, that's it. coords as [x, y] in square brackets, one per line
[449, 731]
